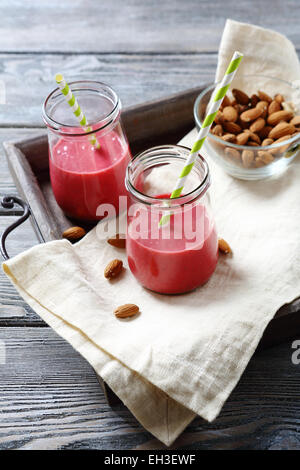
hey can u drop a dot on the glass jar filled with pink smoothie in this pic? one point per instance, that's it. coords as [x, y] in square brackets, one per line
[84, 177]
[179, 255]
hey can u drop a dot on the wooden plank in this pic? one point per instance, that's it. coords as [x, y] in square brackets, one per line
[29, 78]
[47, 402]
[134, 26]
[13, 310]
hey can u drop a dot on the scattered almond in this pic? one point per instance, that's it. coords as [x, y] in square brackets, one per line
[230, 114]
[224, 246]
[119, 241]
[240, 96]
[74, 233]
[113, 269]
[126, 310]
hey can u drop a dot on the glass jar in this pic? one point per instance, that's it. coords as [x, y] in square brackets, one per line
[179, 255]
[82, 176]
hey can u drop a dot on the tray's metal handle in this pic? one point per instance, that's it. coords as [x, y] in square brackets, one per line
[8, 202]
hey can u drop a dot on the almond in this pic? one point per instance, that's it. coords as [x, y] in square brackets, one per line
[251, 114]
[226, 101]
[113, 269]
[242, 138]
[267, 142]
[254, 100]
[217, 130]
[257, 125]
[264, 97]
[283, 148]
[247, 158]
[252, 144]
[119, 241]
[224, 246]
[240, 108]
[295, 121]
[234, 153]
[274, 106]
[219, 117]
[229, 138]
[263, 105]
[282, 115]
[232, 127]
[253, 136]
[279, 98]
[230, 114]
[258, 163]
[240, 96]
[74, 233]
[126, 310]
[265, 156]
[264, 132]
[282, 129]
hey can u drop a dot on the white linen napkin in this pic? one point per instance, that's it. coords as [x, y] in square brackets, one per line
[183, 355]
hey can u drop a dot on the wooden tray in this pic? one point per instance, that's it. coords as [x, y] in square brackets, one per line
[164, 121]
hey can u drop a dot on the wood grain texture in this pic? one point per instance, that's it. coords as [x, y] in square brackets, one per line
[134, 26]
[50, 399]
[29, 78]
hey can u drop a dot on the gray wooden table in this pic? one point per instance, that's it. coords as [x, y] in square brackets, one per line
[49, 396]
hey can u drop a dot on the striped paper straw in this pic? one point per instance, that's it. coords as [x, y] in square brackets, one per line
[214, 106]
[73, 103]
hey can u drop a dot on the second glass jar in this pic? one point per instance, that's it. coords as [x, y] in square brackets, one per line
[181, 254]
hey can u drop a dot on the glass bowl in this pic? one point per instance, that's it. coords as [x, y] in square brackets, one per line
[229, 155]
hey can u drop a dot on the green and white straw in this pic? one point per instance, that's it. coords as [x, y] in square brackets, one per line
[214, 106]
[73, 103]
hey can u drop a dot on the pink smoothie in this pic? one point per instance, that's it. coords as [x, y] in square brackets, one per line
[83, 177]
[172, 266]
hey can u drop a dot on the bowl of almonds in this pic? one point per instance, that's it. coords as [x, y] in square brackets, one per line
[256, 132]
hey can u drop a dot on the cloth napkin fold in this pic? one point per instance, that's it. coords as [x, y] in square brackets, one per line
[183, 355]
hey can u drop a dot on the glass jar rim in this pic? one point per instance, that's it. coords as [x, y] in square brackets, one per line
[103, 122]
[187, 198]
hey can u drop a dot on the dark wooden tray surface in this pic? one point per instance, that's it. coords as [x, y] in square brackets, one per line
[163, 121]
